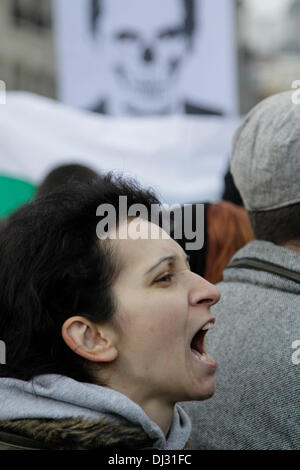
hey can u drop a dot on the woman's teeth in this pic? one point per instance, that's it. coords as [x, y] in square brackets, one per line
[208, 326]
[206, 357]
[203, 356]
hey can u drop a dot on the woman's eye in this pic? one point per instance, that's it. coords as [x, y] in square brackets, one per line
[165, 278]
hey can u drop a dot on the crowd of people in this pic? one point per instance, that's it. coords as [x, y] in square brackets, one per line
[107, 338]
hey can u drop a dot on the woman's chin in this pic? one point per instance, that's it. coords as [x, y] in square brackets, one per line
[203, 385]
[206, 389]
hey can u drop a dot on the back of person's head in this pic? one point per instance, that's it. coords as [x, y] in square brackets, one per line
[63, 174]
[265, 165]
[53, 266]
[228, 229]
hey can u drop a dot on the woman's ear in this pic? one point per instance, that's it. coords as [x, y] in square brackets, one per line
[93, 341]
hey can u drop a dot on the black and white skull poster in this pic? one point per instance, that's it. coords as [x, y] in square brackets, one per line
[147, 57]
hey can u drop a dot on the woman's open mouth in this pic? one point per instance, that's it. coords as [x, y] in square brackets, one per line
[198, 344]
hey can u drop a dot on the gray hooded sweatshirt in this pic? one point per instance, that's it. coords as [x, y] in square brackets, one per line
[54, 397]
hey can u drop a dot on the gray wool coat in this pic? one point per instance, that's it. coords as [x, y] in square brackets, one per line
[256, 342]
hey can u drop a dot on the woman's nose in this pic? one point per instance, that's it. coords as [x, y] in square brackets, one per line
[203, 292]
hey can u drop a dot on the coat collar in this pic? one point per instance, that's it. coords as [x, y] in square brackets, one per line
[271, 253]
[71, 434]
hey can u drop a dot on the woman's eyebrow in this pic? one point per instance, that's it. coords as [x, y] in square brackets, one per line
[170, 258]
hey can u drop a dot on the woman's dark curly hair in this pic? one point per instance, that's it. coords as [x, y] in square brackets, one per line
[53, 266]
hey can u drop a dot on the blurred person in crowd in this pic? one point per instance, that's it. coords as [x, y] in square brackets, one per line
[2, 223]
[230, 191]
[228, 230]
[66, 173]
[257, 401]
[144, 46]
[104, 335]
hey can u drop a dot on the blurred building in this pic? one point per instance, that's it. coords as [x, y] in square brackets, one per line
[292, 43]
[269, 50]
[27, 59]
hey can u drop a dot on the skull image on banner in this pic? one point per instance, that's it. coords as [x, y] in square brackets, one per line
[143, 47]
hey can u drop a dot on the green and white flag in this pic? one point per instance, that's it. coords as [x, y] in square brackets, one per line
[183, 158]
